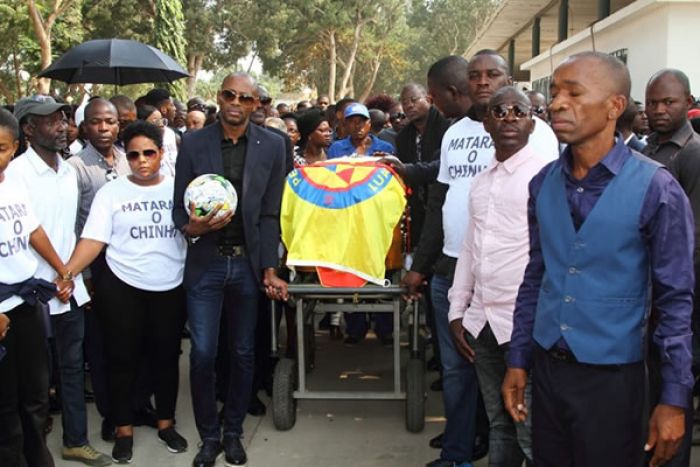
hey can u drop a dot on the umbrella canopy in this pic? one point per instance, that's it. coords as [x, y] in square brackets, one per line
[114, 61]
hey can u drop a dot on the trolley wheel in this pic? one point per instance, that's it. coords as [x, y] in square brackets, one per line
[415, 395]
[284, 407]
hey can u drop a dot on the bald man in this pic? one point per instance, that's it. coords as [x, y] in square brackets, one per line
[195, 120]
[607, 227]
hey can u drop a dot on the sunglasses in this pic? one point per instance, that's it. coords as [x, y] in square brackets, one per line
[539, 110]
[265, 100]
[501, 111]
[397, 116]
[148, 154]
[159, 122]
[230, 96]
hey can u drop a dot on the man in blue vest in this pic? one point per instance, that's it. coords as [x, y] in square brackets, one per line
[611, 233]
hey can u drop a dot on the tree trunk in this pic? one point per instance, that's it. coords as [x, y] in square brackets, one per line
[376, 64]
[194, 64]
[332, 65]
[344, 85]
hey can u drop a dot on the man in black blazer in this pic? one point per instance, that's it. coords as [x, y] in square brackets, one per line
[229, 258]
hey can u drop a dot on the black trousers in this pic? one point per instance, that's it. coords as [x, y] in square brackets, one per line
[587, 415]
[133, 321]
[24, 391]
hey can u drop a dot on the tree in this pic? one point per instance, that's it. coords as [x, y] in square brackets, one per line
[170, 38]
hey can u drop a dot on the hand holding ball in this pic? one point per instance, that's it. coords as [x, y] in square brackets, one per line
[208, 191]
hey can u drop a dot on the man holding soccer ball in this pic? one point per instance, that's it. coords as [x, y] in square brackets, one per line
[229, 257]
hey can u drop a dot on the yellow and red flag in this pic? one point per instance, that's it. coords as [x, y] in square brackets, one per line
[340, 215]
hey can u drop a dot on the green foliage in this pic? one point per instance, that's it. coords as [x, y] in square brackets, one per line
[170, 37]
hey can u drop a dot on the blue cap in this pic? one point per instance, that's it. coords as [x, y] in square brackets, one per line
[356, 109]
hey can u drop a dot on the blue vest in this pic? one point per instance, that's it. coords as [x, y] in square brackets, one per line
[595, 289]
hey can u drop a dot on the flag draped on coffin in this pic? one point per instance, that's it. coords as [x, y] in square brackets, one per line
[341, 215]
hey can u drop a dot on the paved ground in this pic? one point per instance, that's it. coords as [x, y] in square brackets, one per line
[327, 433]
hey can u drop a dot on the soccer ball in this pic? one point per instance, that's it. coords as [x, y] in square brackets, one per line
[209, 190]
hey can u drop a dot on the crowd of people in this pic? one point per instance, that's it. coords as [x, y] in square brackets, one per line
[553, 241]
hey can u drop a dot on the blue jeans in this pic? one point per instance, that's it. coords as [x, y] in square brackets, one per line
[509, 442]
[69, 334]
[229, 285]
[459, 384]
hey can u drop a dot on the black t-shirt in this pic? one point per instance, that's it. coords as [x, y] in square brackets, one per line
[234, 155]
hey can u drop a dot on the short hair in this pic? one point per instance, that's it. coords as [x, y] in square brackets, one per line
[157, 96]
[413, 84]
[9, 123]
[678, 74]
[450, 71]
[382, 102]
[378, 119]
[493, 53]
[507, 90]
[96, 103]
[342, 103]
[626, 120]
[242, 74]
[122, 102]
[277, 123]
[142, 128]
[145, 111]
[620, 80]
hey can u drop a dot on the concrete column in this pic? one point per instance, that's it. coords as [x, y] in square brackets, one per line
[511, 55]
[603, 9]
[536, 37]
[563, 20]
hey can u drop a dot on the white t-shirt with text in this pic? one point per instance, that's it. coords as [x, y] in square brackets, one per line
[17, 222]
[144, 248]
[466, 150]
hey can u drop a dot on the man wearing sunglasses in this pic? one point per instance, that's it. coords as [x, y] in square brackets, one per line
[230, 258]
[491, 265]
[539, 104]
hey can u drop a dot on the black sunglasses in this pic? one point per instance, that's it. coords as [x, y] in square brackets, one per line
[397, 116]
[148, 153]
[501, 111]
[230, 97]
[539, 110]
[265, 100]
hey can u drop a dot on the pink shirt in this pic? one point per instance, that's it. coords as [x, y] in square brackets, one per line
[496, 246]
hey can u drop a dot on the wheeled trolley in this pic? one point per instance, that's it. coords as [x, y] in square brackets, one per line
[289, 379]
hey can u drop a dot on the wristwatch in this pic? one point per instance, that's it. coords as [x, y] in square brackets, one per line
[67, 276]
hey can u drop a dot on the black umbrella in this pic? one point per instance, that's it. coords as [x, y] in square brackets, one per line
[114, 61]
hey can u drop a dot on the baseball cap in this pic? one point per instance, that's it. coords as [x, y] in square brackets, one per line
[37, 105]
[356, 109]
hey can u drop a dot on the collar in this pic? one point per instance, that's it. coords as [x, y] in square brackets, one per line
[41, 167]
[90, 149]
[679, 138]
[513, 162]
[244, 136]
[613, 160]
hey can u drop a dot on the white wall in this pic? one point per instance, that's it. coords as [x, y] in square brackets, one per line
[657, 34]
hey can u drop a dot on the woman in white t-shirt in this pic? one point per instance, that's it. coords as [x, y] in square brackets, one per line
[141, 306]
[24, 378]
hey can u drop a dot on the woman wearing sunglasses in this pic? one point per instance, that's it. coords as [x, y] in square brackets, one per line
[142, 300]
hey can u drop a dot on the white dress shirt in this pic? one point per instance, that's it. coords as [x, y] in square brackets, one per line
[496, 246]
[54, 196]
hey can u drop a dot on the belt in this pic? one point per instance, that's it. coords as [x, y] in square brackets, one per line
[230, 250]
[562, 355]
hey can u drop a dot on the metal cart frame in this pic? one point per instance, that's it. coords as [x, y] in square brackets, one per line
[289, 380]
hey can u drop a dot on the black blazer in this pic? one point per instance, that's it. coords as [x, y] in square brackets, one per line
[263, 182]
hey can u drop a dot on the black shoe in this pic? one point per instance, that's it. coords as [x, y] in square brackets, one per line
[256, 407]
[436, 443]
[122, 452]
[433, 364]
[173, 440]
[208, 453]
[436, 385]
[481, 447]
[351, 340]
[109, 430]
[146, 416]
[233, 451]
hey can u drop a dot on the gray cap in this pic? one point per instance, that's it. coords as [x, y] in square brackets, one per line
[37, 105]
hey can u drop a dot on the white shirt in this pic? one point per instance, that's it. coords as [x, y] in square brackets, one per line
[496, 246]
[144, 248]
[54, 196]
[167, 166]
[467, 150]
[17, 222]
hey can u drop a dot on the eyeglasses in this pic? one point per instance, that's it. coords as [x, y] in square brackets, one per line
[263, 100]
[159, 122]
[110, 174]
[230, 96]
[501, 111]
[539, 110]
[148, 154]
[397, 116]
